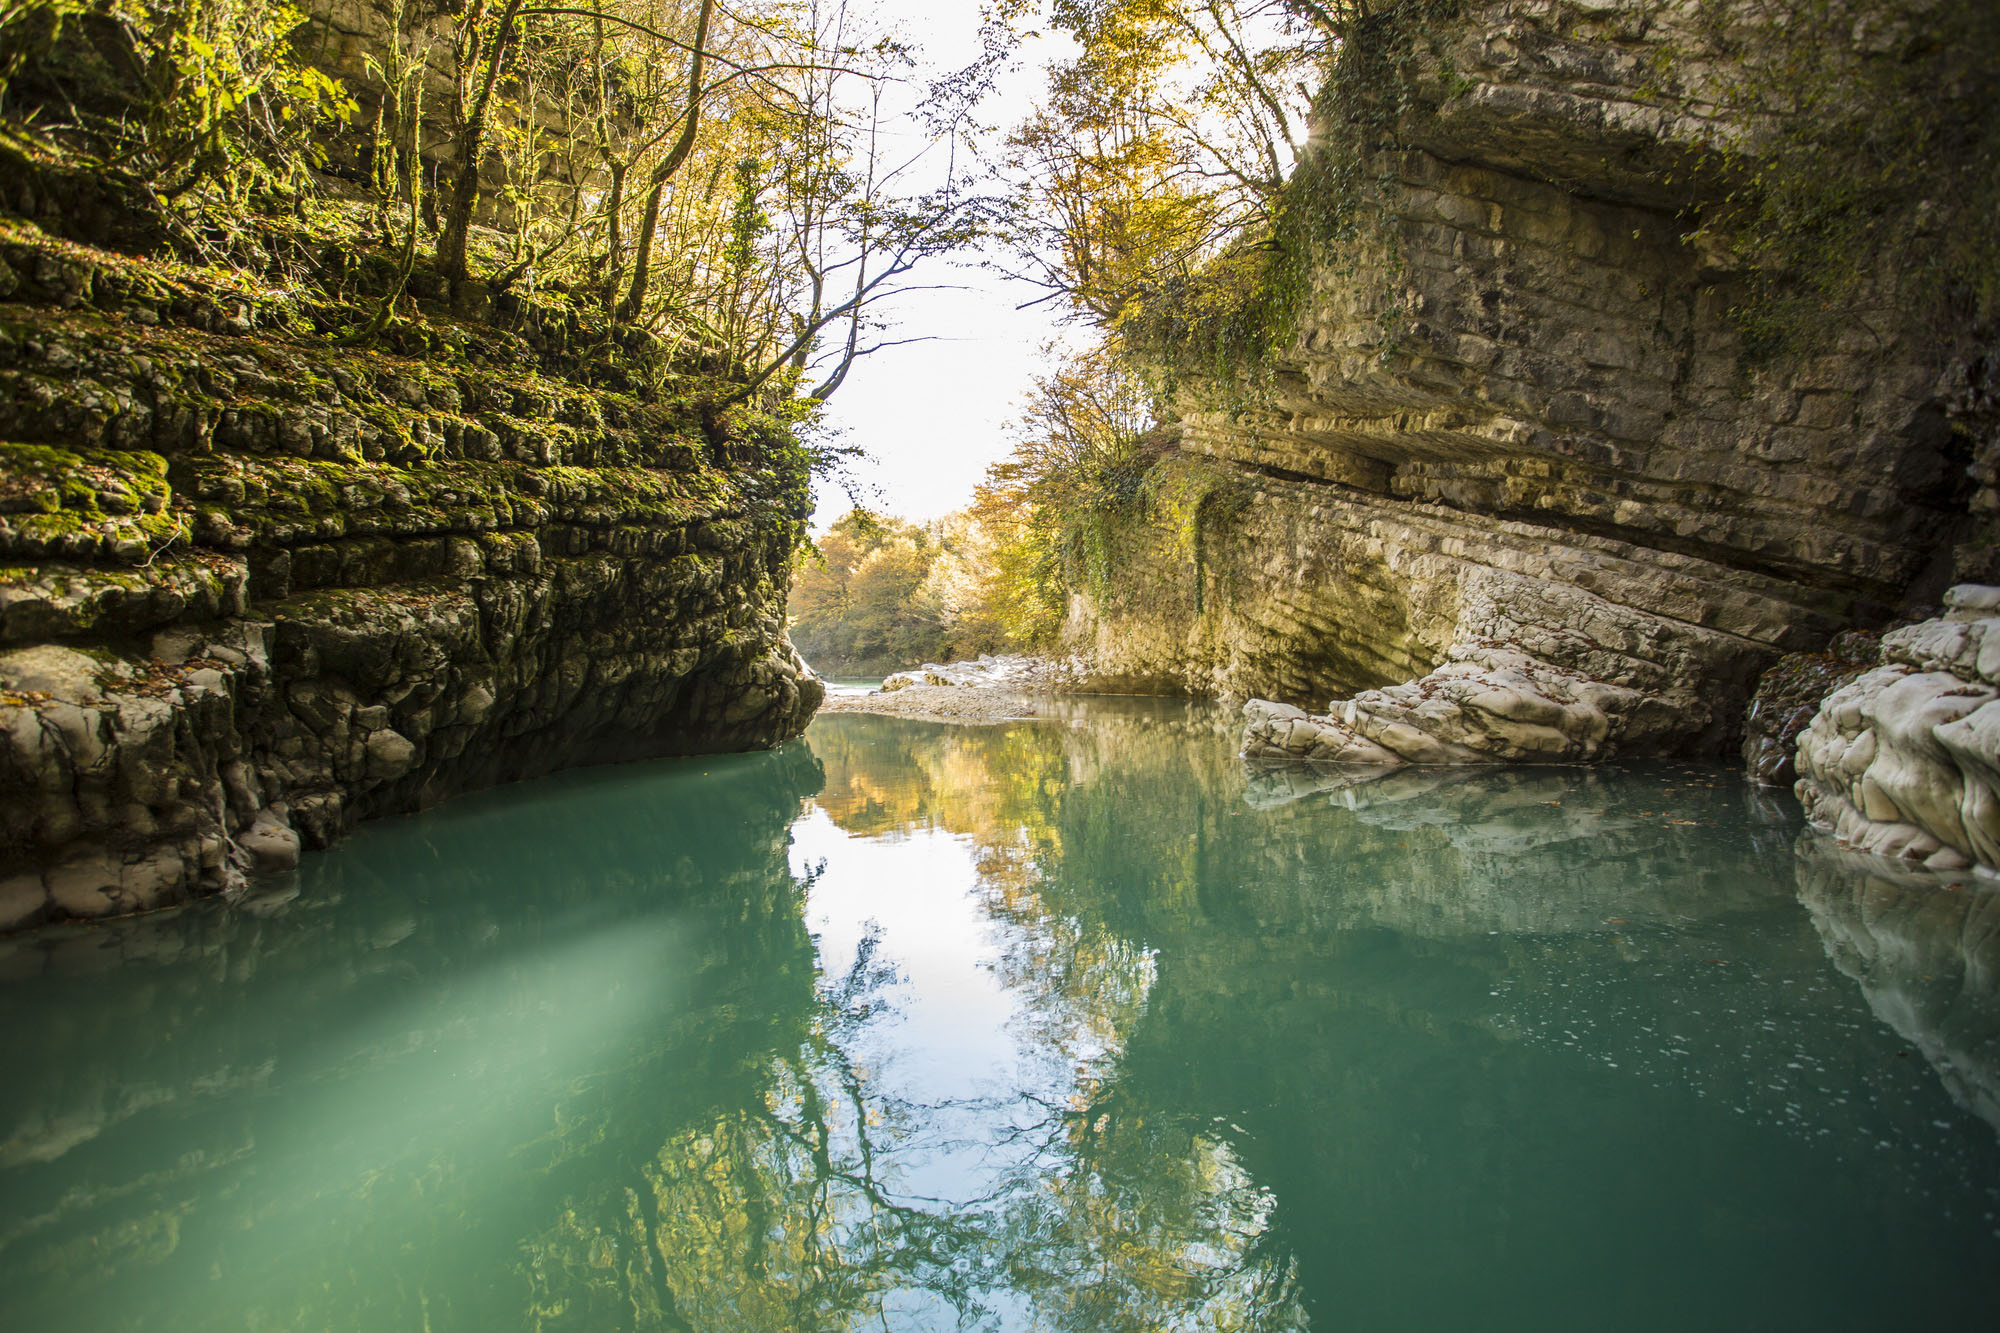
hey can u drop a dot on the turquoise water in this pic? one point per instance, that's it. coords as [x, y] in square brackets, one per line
[1068, 1025]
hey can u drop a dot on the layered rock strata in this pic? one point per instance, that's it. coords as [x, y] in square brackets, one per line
[259, 587]
[1905, 759]
[1519, 455]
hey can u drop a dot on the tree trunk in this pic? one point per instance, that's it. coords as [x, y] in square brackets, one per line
[642, 254]
[635, 299]
[470, 149]
[614, 237]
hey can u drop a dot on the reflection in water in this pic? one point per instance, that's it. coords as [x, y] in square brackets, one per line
[1926, 949]
[1062, 1025]
[368, 1106]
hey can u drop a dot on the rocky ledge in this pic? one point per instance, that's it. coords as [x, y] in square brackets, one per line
[259, 585]
[1530, 680]
[1899, 759]
[1520, 486]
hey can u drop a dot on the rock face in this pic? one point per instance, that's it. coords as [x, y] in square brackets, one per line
[258, 588]
[1905, 760]
[1788, 698]
[1519, 456]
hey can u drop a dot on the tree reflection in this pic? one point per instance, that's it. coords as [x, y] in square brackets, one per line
[780, 1213]
[1107, 1210]
[1269, 1040]
[349, 1107]
[1140, 1223]
[1297, 1029]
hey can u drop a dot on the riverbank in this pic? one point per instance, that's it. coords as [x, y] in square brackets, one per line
[262, 581]
[995, 688]
[944, 703]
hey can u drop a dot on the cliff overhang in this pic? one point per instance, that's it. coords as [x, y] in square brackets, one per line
[1527, 480]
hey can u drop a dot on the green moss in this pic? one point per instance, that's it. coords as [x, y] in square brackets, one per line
[1885, 143]
[86, 500]
[1190, 497]
[581, 441]
[282, 498]
[1221, 329]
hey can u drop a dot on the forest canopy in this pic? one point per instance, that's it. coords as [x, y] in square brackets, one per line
[1152, 166]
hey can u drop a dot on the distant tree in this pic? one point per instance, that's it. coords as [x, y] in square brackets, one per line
[1081, 457]
[882, 594]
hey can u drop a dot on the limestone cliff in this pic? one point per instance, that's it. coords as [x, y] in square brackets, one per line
[260, 584]
[1520, 454]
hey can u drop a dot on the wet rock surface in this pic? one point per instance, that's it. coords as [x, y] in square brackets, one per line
[1905, 759]
[255, 588]
[1789, 695]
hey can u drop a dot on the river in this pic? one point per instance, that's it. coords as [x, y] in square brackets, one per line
[1073, 1024]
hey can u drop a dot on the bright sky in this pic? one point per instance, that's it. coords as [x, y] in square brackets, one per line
[932, 415]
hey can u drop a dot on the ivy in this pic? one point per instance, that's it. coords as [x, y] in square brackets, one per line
[1231, 322]
[1870, 169]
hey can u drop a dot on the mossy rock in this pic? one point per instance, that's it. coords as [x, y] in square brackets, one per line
[94, 503]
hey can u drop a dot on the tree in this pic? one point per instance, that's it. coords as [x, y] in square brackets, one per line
[883, 594]
[703, 187]
[1168, 137]
[1081, 456]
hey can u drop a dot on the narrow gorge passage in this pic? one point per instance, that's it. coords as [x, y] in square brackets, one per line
[1118, 666]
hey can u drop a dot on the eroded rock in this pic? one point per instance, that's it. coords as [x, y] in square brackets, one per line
[1904, 760]
[1524, 366]
[1547, 674]
[1485, 705]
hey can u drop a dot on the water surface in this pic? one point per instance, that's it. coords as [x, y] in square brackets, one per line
[1060, 1025]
